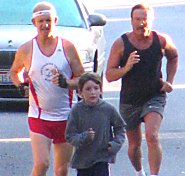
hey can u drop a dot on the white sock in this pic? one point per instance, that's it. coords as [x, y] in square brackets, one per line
[153, 175]
[141, 172]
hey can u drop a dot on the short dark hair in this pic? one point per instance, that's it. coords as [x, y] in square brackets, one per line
[141, 6]
[89, 76]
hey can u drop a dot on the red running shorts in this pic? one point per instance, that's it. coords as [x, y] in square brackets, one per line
[54, 130]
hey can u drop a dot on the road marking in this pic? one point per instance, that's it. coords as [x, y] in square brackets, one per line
[179, 86]
[15, 140]
[177, 135]
[116, 86]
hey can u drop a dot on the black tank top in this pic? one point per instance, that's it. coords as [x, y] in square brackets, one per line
[142, 82]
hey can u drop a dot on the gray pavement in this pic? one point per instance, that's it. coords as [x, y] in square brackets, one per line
[16, 156]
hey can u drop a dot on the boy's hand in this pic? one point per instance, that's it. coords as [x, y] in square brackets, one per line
[91, 134]
[109, 147]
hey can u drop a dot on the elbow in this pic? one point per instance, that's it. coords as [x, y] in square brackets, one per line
[108, 79]
[176, 60]
[108, 76]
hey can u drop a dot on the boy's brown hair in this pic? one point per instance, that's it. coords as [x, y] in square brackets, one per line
[89, 76]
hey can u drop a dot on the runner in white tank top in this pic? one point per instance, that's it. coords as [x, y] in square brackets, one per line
[54, 67]
[56, 106]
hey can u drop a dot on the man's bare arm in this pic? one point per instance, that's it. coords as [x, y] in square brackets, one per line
[114, 71]
[172, 63]
[17, 66]
[172, 60]
[75, 63]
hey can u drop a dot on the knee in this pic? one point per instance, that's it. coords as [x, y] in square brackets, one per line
[62, 170]
[41, 167]
[135, 147]
[152, 138]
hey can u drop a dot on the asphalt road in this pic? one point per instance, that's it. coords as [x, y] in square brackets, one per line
[15, 149]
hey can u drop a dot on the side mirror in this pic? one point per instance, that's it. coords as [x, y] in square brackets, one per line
[97, 19]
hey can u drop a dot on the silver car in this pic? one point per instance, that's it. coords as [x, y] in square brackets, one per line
[76, 23]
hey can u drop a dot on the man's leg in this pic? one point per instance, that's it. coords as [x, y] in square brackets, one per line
[62, 157]
[134, 147]
[41, 153]
[152, 124]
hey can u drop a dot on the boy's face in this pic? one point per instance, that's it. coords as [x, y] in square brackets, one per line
[91, 92]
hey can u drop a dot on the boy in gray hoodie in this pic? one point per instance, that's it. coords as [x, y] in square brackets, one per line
[95, 129]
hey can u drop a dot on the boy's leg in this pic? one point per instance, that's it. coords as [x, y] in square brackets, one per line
[101, 169]
[85, 172]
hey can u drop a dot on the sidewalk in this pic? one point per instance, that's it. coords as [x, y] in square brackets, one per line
[127, 3]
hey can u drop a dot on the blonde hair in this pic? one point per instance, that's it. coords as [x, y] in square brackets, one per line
[42, 8]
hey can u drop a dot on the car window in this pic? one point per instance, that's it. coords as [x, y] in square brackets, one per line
[18, 12]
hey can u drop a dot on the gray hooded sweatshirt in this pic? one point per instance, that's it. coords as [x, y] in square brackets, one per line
[109, 129]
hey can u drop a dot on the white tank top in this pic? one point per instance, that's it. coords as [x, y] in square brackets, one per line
[46, 100]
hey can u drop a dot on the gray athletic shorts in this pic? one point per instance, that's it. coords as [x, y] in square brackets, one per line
[133, 115]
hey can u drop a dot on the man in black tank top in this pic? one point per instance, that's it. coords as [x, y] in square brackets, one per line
[136, 59]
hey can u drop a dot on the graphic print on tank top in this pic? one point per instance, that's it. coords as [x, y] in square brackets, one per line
[48, 70]
[54, 102]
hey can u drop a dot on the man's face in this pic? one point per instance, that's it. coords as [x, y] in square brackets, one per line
[142, 22]
[45, 24]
